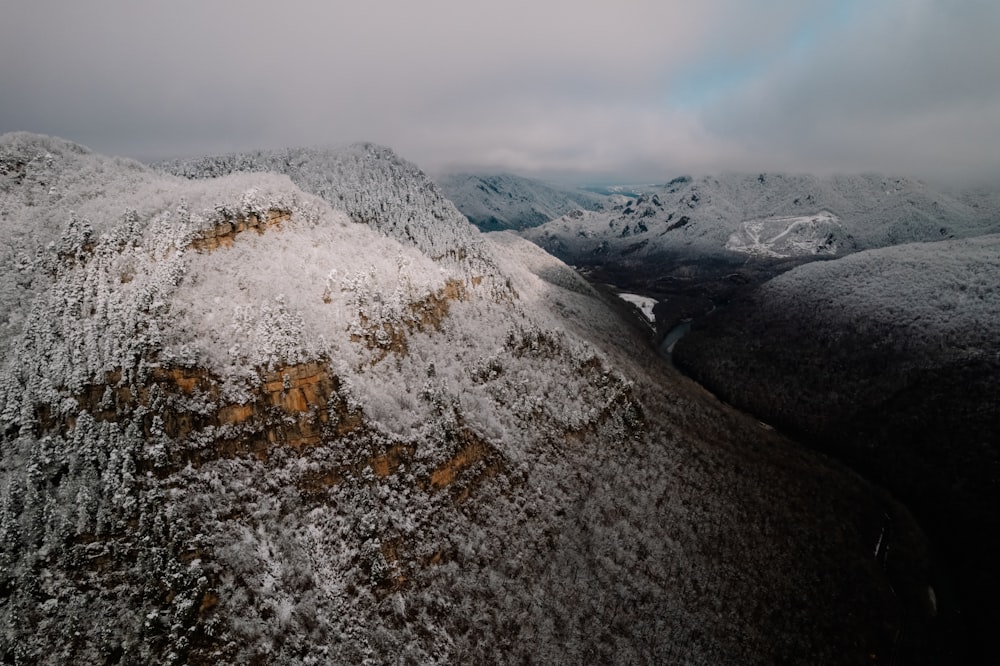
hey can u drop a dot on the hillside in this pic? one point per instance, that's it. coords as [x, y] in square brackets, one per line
[505, 201]
[766, 215]
[888, 359]
[237, 426]
[698, 243]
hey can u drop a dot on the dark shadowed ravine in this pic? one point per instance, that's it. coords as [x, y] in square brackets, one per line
[906, 612]
[887, 361]
[712, 350]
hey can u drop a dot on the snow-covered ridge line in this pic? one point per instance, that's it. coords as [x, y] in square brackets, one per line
[747, 214]
[231, 456]
[369, 182]
[375, 187]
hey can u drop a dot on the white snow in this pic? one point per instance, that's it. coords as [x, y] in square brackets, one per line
[751, 213]
[528, 360]
[878, 544]
[644, 303]
[786, 235]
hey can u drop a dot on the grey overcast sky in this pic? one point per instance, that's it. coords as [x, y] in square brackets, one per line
[582, 90]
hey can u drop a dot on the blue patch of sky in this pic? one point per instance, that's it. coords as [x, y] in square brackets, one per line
[724, 73]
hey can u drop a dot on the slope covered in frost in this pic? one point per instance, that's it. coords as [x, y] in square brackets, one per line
[714, 215]
[369, 182]
[505, 201]
[239, 427]
[50, 194]
[890, 359]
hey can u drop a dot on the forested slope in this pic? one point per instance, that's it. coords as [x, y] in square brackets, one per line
[237, 426]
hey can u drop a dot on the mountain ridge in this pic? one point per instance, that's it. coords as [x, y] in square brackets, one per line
[237, 425]
[887, 359]
[700, 215]
[497, 202]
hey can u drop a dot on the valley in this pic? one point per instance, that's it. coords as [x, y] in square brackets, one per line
[501, 334]
[890, 370]
[886, 371]
[292, 407]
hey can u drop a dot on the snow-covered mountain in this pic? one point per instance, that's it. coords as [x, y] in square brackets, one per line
[237, 426]
[883, 353]
[889, 359]
[698, 243]
[368, 182]
[504, 201]
[766, 215]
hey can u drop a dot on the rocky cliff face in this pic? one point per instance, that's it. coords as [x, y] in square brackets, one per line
[237, 426]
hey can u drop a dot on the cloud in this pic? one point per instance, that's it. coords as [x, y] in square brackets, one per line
[636, 88]
[913, 87]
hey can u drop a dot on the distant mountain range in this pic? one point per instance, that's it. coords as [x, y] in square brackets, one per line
[697, 243]
[859, 313]
[766, 215]
[505, 201]
[293, 408]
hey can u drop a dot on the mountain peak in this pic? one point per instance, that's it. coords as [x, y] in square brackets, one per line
[495, 202]
[236, 425]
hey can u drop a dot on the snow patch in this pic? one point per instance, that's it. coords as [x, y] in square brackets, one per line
[787, 235]
[644, 303]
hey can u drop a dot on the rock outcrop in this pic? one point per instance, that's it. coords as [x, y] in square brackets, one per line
[347, 442]
[224, 232]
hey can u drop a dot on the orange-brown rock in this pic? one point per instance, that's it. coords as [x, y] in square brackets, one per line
[392, 551]
[208, 602]
[426, 314]
[225, 232]
[394, 457]
[295, 405]
[473, 464]
[466, 457]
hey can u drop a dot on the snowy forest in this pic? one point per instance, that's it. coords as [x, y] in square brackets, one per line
[292, 407]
